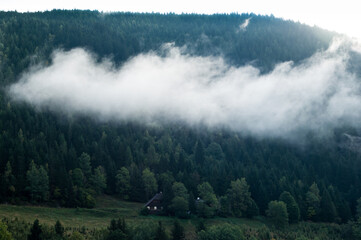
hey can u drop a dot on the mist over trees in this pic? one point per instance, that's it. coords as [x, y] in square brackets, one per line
[67, 161]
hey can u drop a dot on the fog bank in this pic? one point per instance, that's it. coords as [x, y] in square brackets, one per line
[316, 95]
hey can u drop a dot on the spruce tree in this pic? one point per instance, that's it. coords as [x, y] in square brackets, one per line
[59, 229]
[328, 212]
[35, 231]
[292, 207]
[177, 231]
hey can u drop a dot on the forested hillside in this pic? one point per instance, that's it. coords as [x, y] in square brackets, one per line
[49, 158]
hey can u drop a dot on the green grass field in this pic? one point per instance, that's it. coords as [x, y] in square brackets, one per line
[107, 208]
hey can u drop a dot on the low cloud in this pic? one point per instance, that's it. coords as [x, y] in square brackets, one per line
[244, 25]
[317, 95]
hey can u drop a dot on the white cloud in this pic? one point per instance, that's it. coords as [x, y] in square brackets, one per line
[318, 94]
[244, 25]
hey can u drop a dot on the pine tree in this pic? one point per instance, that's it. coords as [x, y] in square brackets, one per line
[313, 200]
[199, 153]
[35, 231]
[177, 231]
[38, 182]
[328, 211]
[85, 165]
[292, 207]
[59, 229]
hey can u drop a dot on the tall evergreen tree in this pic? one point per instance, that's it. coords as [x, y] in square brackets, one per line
[199, 153]
[177, 231]
[59, 229]
[313, 200]
[328, 211]
[292, 207]
[38, 181]
[85, 165]
[35, 231]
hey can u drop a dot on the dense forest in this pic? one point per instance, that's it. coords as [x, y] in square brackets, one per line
[58, 160]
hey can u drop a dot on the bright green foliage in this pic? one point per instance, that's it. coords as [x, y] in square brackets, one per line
[149, 182]
[277, 214]
[177, 231]
[123, 182]
[313, 200]
[292, 207]
[38, 182]
[239, 197]
[221, 232]
[98, 180]
[4, 233]
[208, 204]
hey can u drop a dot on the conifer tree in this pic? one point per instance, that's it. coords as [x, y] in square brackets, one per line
[292, 207]
[177, 231]
[35, 231]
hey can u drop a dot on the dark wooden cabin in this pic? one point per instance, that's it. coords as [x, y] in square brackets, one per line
[154, 205]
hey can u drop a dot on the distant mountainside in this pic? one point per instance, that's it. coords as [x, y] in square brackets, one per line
[67, 160]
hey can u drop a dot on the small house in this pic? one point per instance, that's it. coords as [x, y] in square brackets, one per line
[154, 205]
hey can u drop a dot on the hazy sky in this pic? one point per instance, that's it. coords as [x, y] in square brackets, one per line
[341, 16]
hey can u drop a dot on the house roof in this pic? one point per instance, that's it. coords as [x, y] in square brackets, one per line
[157, 196]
